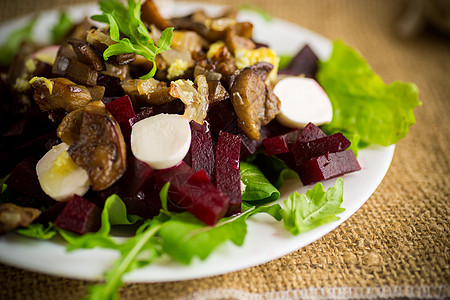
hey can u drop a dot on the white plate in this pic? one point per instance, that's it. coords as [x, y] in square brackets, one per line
[266, 239]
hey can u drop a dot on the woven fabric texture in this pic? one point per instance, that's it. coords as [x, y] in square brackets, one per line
[397, 244]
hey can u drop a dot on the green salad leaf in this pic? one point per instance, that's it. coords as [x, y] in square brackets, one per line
[12, 42]
[303, 212]
[39, 231]
[61, 28]
[363, 105]
[273, 168]
[128, 22]
[131, 253]
[258, 190]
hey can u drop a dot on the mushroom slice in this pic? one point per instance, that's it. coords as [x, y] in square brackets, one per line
[100, 148]
[56, 93]
[69, 128]
[87, 54]
[13, 216]
[253, 100]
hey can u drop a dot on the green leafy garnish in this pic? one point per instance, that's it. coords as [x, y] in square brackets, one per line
[61, 28]
[39, 231]
[284, 61]
[131, 252]
[303, 212]
[273, 168]
[258, 190]
[127, 21]
[363, 105]
[12, 42]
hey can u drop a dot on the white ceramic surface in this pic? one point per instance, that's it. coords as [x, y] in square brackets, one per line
[266, 239]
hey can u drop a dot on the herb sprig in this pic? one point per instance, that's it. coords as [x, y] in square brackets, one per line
[127, 21]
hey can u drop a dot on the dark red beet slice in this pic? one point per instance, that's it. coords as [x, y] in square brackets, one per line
[201, 152]
[304, 62]
[275, 145]
[177, 176]
[23, 179]
[303, 151]
[122, 110]
[79, 216]
[137, 189]
[328, 166]
[228, 176]
[194, 191]
[144, 113]
[203, 199]
[310, 132]
[50, 214]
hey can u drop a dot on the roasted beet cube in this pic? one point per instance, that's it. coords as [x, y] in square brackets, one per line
[177, 176]
[122, 110]
[201, 152]
[276, 145]
[328, 166]
[79, 216]
[228, 176]
[194, 191]
[23, 179]
[303, 151]
[310, 132]
[203, 199]
[304, 62]
[137, 189]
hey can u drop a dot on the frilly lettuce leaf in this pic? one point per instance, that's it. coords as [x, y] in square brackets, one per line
[363, 105]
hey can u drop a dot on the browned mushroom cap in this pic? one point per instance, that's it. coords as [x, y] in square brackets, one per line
[75, 71]
[254, 102]
[69, 128]
[13, 216]
[100, 148]
[56, 93]
[235, 41]
[87, 54]
[145, 92]
[216, 91]
[150, 14]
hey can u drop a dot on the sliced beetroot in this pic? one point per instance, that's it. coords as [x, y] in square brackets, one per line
[122, 110]
[79, 216]
[222, 118]
[304, 62]
[328, 166]
[201, 153]
[310, 132]
[51, 213]
[144, 113]
[23, 180]
[303, 151]
[193, 191]
[276, 145]
[228, 176]
[137, 189]
[203, 199]
[177, 176]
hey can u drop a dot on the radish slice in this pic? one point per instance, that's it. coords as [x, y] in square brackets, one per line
[302, 101]
[59, 176]
[47, 54]
[162, 141]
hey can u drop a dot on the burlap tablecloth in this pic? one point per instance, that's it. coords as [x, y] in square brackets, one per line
[396, 245]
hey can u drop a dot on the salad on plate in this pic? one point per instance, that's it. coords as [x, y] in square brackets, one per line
[181, 130]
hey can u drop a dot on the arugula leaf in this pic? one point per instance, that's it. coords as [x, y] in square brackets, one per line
[284, 61]
[363, 105]
[39, 231]
[184, 237]
[12, 43]
[130, 252]
[128, 22]
[61, 28]
[307, 211]
[258, 190]
[273, 168]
